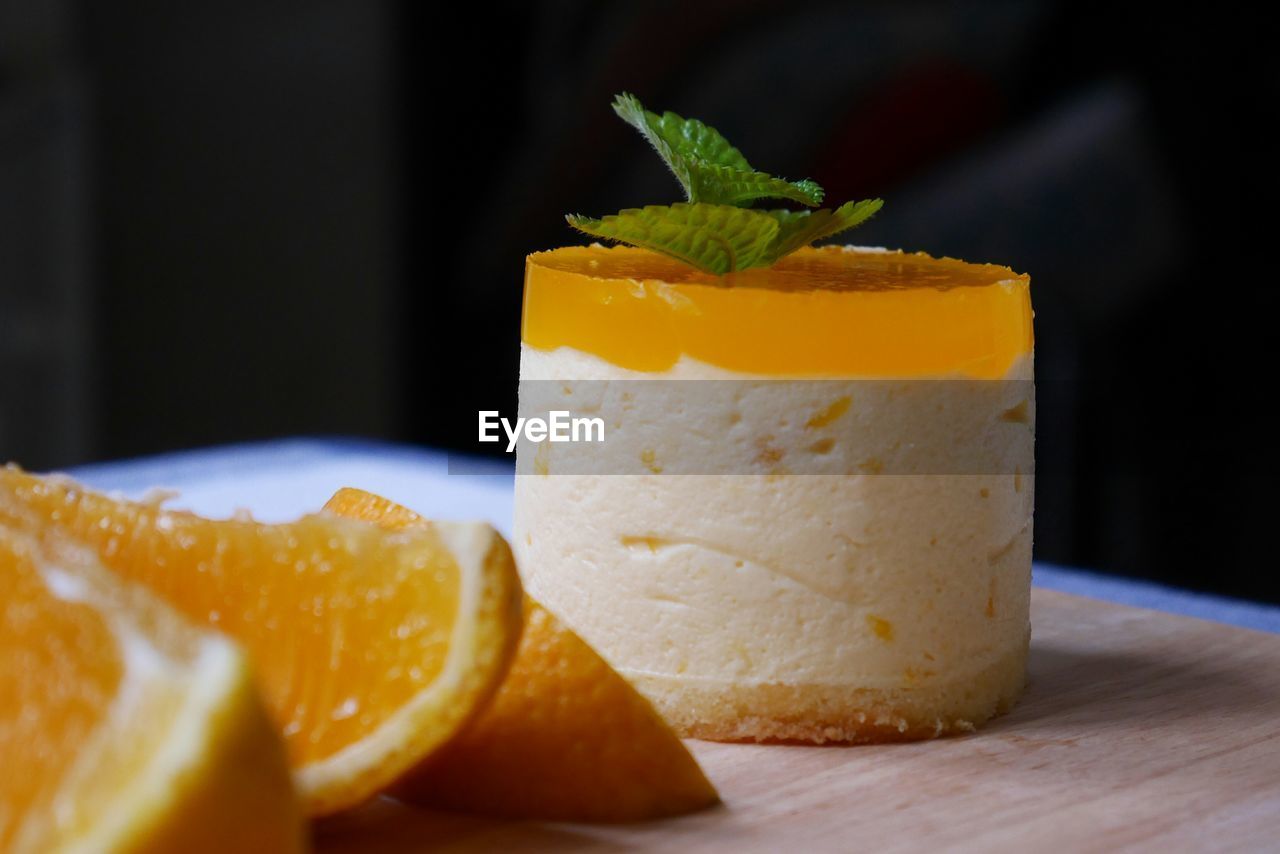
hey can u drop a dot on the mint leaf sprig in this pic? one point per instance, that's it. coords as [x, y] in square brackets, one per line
[706, 165]
[714, 230]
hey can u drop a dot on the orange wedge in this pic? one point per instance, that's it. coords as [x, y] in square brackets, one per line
[122, 726]
[566, 738]
[372, 650]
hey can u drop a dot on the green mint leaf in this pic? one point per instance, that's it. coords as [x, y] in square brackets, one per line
[706, 165]
[800, 228]
[716, 239]
[675, 137]
[724, 186]
[714, 230]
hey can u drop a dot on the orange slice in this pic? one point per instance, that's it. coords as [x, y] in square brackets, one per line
[566, 738]
[122, 726]
[372, 650]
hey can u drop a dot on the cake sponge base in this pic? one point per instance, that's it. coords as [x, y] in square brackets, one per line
[818, 714]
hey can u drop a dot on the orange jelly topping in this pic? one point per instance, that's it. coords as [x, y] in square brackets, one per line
[821, 312]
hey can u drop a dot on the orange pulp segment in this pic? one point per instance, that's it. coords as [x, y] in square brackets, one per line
[371, 649]
[122, 726]
[820, 312]
[566, 738]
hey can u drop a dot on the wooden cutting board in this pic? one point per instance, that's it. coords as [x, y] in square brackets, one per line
[1138, 730]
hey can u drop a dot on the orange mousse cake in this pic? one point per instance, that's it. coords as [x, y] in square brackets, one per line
[810, 518]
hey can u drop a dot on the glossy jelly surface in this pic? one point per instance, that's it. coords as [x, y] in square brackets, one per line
[830, 311]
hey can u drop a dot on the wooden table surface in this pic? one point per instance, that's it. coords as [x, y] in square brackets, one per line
[1138, 730]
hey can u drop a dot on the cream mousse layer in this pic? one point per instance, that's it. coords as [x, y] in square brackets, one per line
[859, 571]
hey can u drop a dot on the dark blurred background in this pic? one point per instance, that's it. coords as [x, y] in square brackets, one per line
[234, 221]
